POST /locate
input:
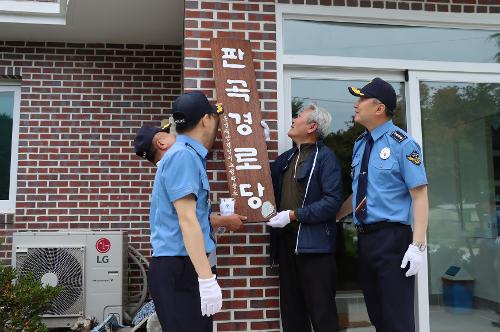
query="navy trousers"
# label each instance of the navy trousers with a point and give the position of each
(389, 294)
(173, 284)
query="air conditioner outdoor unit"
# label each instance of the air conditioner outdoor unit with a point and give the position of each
(90, 266)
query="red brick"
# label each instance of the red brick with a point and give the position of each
(231, 34)
(231, 16)
(246, 315)
(430, 7)
(214, 5)
(263, 282)
(214, 25)
(265, 326)
(248, 293)
(198, 14)
(245, 26)
(234, 304)
(264, 303)
(403, 5)
(390, 5)
(232, 326)
(443, 8)
(245, 7)
(198, 34)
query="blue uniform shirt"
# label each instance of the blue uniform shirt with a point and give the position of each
(396, 165)
(181, 172)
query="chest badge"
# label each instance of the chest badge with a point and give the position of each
(385, 153)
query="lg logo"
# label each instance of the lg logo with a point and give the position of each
(103, 245)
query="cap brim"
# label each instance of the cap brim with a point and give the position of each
(356, 92)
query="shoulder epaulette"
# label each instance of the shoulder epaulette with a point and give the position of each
(398, 136)
(360, 136)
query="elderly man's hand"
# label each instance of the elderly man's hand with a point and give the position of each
(232, 222)
(267, 131)
(280, 220)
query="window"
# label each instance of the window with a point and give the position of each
(460, 126)
(381, 41)
(9, 129)
(34, 12)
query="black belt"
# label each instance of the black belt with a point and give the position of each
(373, 227)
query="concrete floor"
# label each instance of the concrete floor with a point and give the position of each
(443, 320)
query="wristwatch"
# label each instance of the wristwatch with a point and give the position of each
(421, 246)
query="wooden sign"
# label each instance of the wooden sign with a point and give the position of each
(245, 150)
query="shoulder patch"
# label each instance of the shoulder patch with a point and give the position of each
(398, 136)
(414, 157)
(360, 136)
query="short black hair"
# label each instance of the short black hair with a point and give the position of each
(182, 128)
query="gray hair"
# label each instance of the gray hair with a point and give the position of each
(173, 130)
(388, 112)
(321, 117)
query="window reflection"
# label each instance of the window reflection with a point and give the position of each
(461, 134)
(391, 41)
(6, 113)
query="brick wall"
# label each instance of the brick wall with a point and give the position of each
(81, 105)
(250, 287)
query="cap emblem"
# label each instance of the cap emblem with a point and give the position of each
(165, 126)
(357, 91)
(220, 109)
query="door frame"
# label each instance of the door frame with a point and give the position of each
(413, 128)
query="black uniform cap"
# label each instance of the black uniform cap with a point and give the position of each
(377, 88)
(144, 138)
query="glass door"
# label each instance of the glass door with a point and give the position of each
(329, 90)
(459, 118)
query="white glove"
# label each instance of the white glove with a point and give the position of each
(415, 257)
(267, 131)
(280, 220)
(211, 296)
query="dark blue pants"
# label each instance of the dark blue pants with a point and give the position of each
(307, 289)
(389, 294)
(173, 284)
